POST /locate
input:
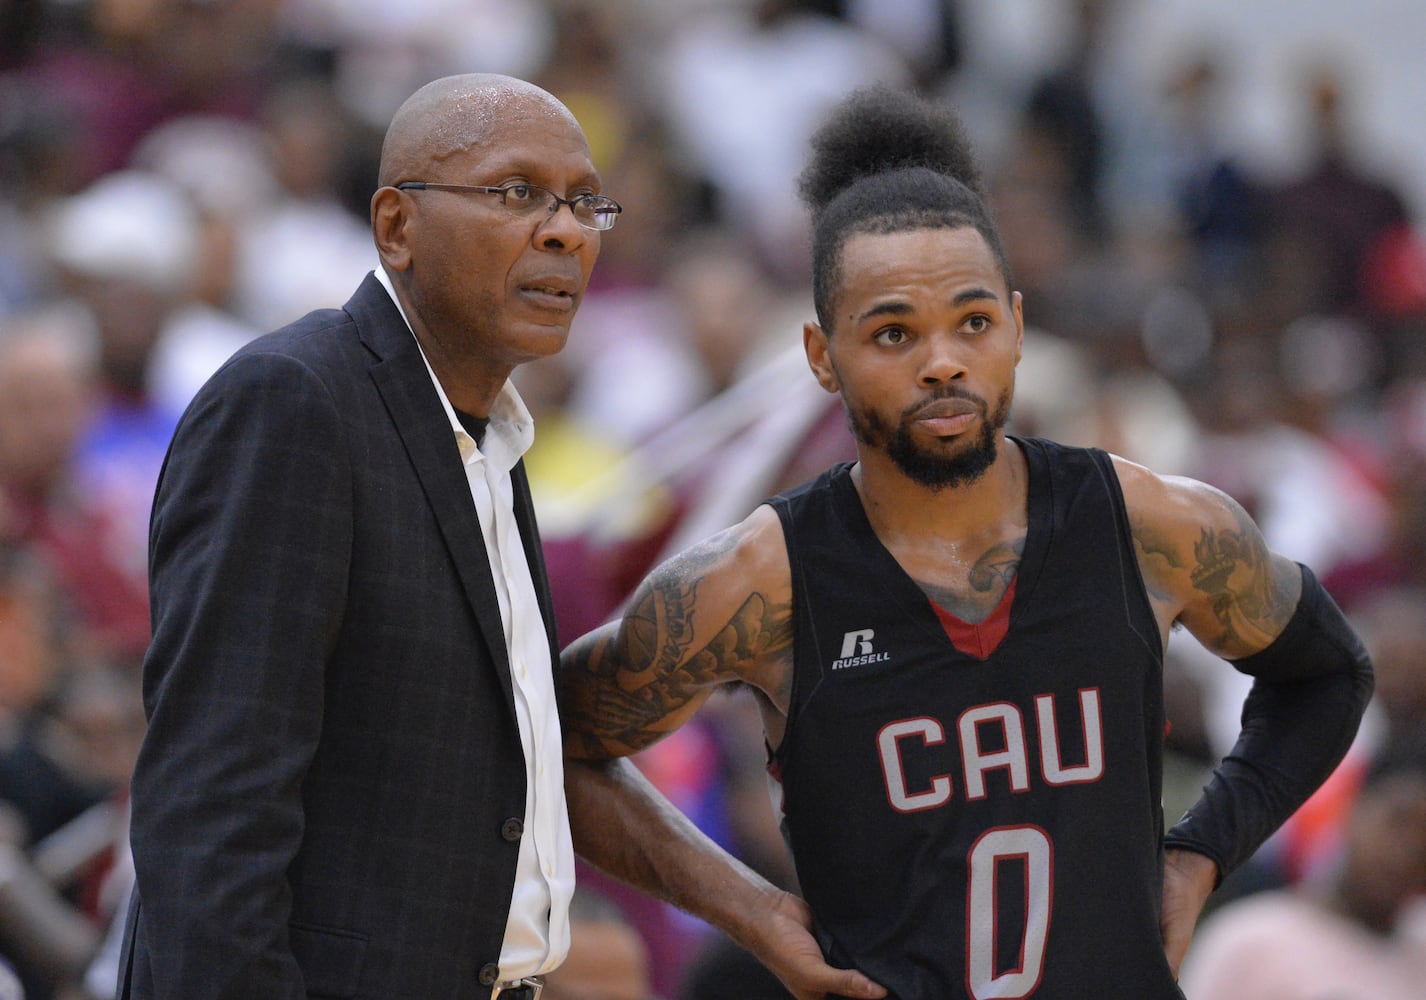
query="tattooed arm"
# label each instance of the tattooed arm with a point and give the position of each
(717, 614)
(1206, 566)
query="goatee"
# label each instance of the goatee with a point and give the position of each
(933, 469)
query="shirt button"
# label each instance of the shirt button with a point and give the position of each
(512, 829)
(489, 974)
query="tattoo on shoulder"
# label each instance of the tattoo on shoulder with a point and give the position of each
(1234, 568)
(648, 671)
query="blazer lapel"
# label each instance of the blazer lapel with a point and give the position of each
(405, 385)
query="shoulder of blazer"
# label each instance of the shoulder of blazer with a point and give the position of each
(379, 323)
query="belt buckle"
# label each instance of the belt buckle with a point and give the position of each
(534, 985)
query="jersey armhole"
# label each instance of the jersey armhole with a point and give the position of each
(777, 754)
(1134, 573)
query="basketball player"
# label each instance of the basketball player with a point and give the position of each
(957, 643)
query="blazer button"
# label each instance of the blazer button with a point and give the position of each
(489, 974)
(512, 829)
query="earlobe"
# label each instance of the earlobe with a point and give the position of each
(389, 228)
(814, 342)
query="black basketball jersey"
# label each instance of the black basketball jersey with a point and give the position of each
(974, 810)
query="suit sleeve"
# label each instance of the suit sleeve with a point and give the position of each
(249, 550)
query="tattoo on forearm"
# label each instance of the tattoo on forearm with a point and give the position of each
(620, 690)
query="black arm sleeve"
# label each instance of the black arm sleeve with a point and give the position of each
(1310, 688)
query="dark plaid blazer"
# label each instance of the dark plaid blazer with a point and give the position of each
(329, 798)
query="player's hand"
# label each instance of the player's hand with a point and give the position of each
(789, 950)
(1189, 878)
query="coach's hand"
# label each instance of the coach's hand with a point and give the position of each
(1189, 879)
(786, 946)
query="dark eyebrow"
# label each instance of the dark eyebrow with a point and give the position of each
(902, 308)
(974, 295)
(885, 309)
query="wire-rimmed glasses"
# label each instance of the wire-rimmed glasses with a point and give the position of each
(592, 211)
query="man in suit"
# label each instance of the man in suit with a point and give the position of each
(351, 784)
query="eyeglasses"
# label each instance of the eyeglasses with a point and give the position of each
(592, 211)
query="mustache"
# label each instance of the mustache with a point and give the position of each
(943, 393)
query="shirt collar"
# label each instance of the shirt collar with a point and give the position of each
(511, 430)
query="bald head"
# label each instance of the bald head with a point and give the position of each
(455, 114)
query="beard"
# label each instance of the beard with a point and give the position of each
(930, 468)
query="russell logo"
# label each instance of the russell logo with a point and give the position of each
(857, 650)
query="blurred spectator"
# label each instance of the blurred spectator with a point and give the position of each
(1359, 934)
(1216, 199)
(377, 52)
(125, 247)
(1312, 502)
(1393, 625)
(927, 34)
(1062, 114)
(1324, 223)
(119, 68)
(1399, 556)
(40, 160)
(712, 317)
(302, 246)
(47, 398)
(31, 662)
(67, 747)
(1047, 194)
(742, 85)
(594, 70)
(224, 167)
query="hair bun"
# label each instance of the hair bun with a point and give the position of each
(877, 129)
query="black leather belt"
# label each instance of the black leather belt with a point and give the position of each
(529, 988)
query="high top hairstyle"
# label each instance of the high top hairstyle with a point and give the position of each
(887, 161)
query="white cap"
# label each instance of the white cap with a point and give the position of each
(222, 162)
(130, 225)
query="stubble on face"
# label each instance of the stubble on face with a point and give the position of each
(934, 468)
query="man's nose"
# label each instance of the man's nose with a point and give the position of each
(943, 361)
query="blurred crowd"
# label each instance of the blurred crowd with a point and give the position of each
(179, 176)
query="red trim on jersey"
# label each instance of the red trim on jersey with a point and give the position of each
(981, 639)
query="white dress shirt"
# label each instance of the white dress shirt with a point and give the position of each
(537, 931)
